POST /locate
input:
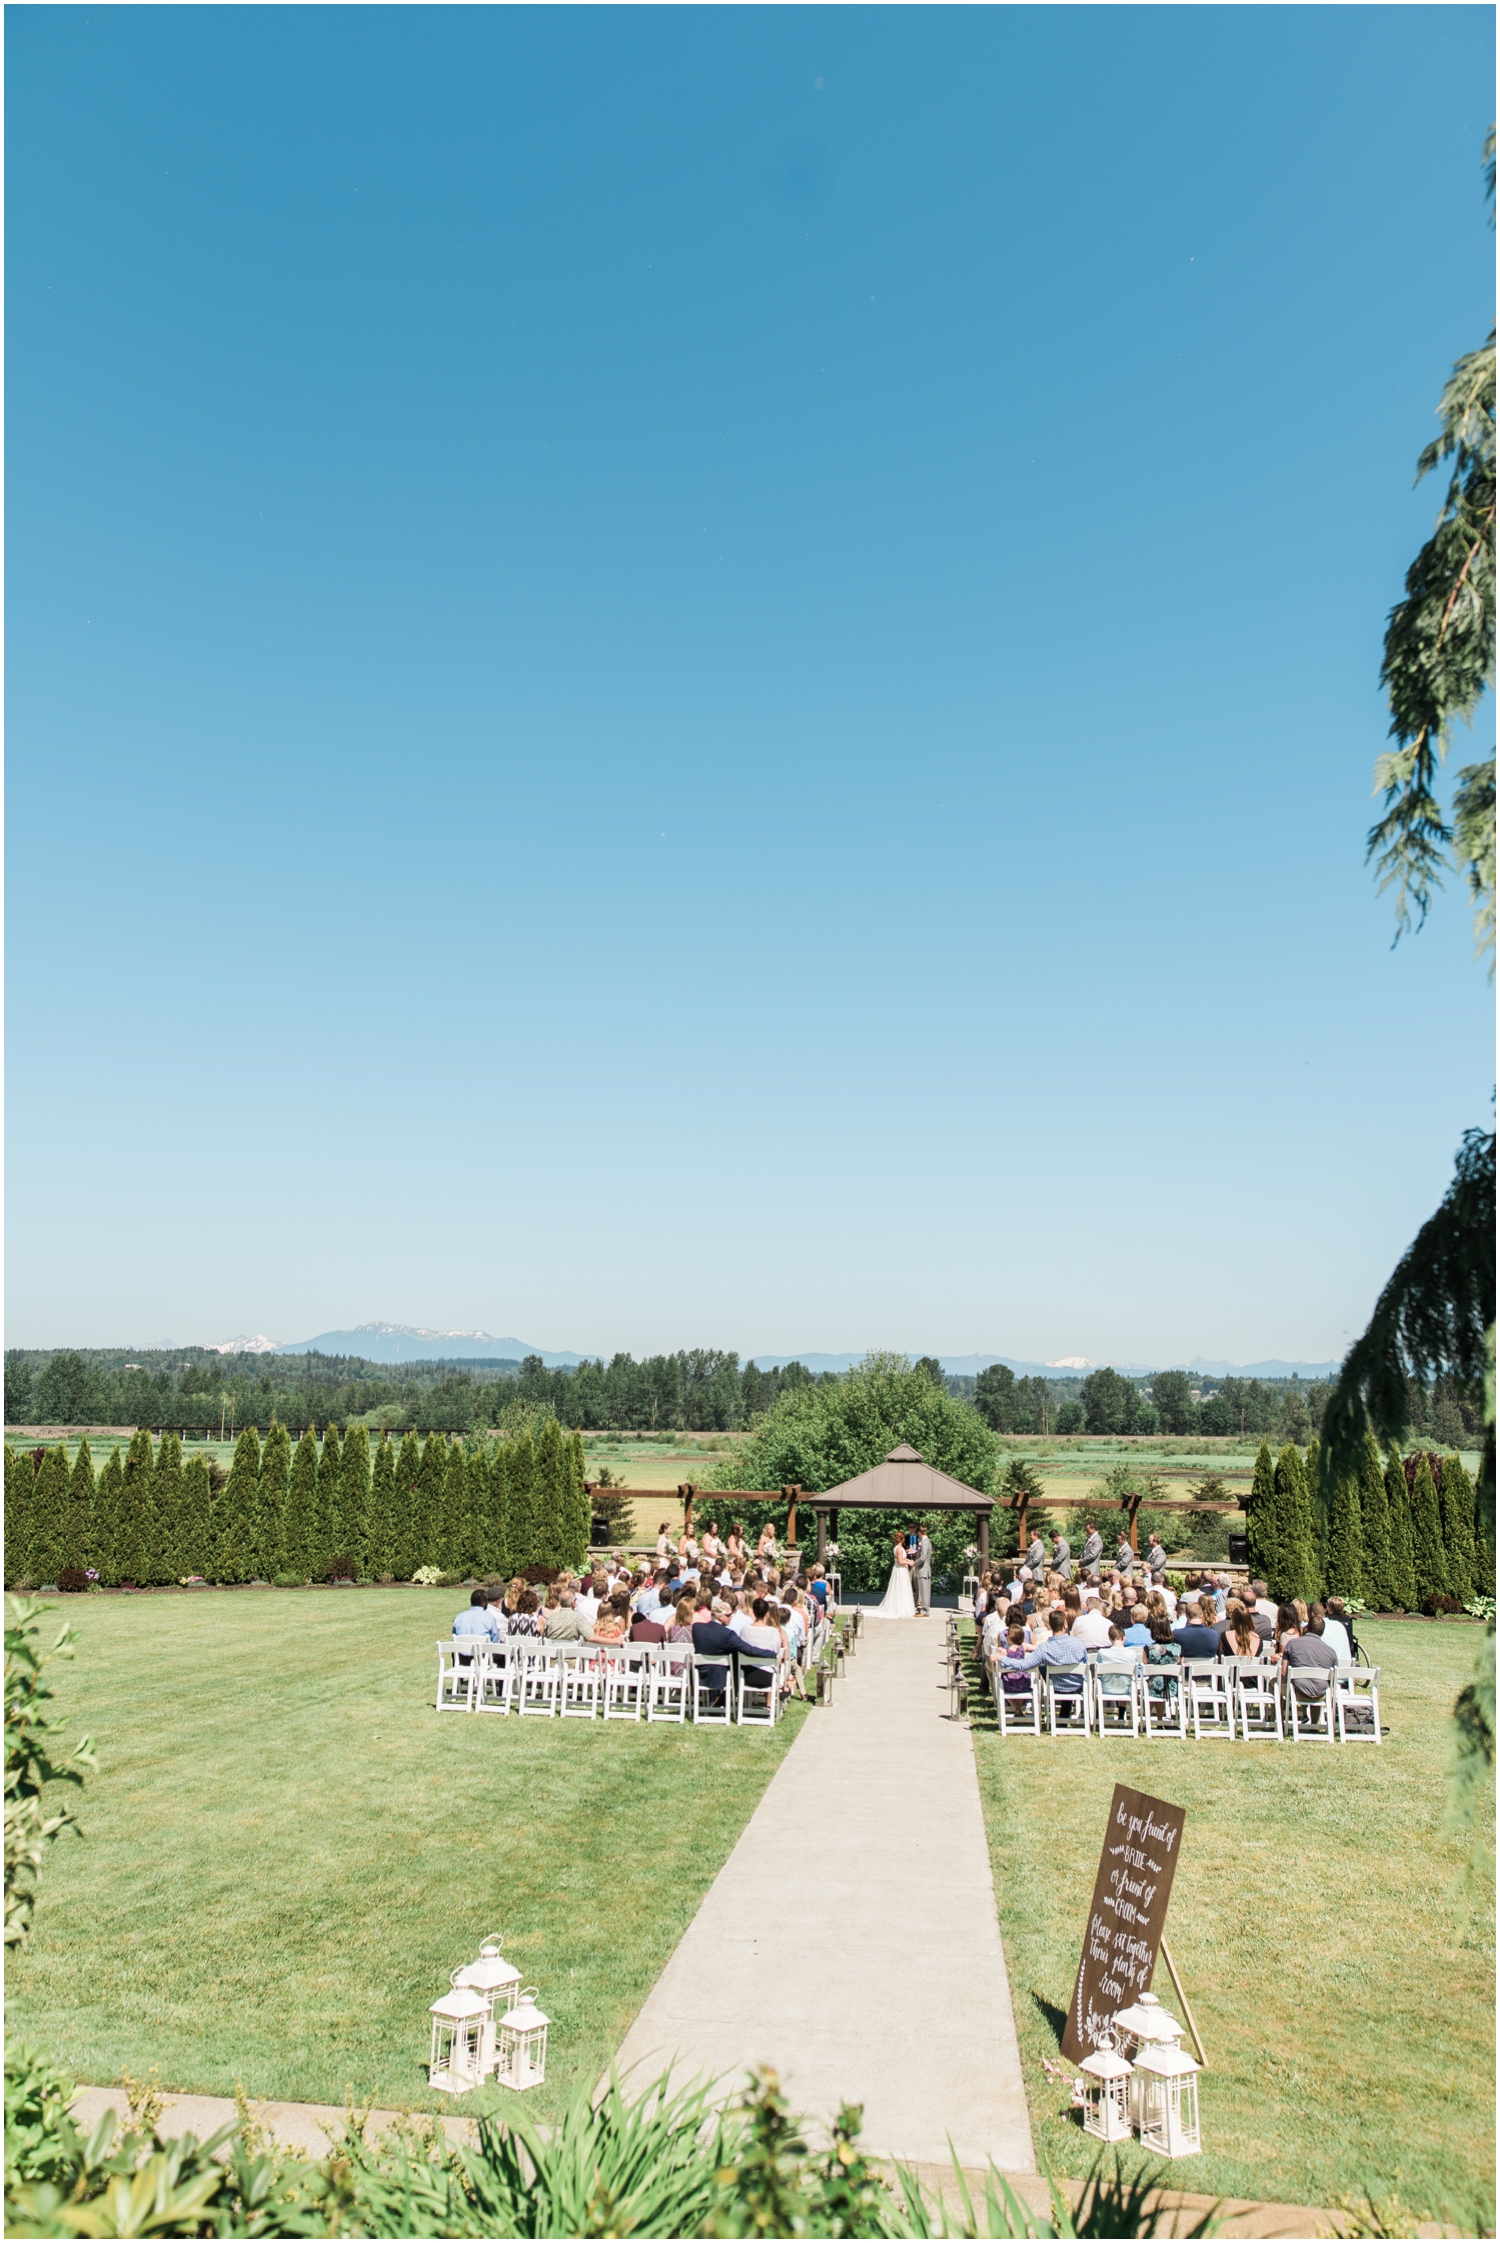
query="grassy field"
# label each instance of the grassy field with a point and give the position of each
(288, 1851)
(1345, 1995)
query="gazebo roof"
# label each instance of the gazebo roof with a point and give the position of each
(903, 1483)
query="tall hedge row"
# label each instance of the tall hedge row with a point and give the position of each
(147, 1519)
(1399, 1536)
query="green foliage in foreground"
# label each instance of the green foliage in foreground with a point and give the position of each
(664, 2163)
(33, 1760)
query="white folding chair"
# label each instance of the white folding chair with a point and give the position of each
(1117, 1701)
(578, 1681)
(668, 1682)
(1019, 1712)
(492, 1684)
(1068, 1688)
(1209, 1700)
(538, 1675)
(1257, 1699)
(624, 1681)
(759, 1703)
(713, 1706)
(1356, 1705)
(1309, 1719)
(458, 1666)
(1163, 1704)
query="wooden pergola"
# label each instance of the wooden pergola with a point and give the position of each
(902, 1483)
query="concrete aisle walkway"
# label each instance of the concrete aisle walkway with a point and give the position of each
(850, 1940)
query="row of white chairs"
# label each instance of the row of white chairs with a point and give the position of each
(1228, 1698)
(614, 1682)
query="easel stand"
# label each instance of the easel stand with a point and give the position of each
(1187, 2007)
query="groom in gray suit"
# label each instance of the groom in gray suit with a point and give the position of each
(921, 1577)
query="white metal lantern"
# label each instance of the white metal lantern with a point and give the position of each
(1106, 2093)
(1167, 2083)
(499, 1982)
(458, 2033)
(521, 2034)
(1145, 2024)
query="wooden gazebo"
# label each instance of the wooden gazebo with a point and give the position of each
(902, 1483)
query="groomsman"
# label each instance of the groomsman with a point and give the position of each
(1036, 1557)
(1062, 1556)
(1156, 1556)
(1125, 1557)
(1093, 1552)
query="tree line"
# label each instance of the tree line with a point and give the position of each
(1107, 1402)
(286, 1513)
(1401, 1535)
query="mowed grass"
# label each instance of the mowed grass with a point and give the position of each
(1345, 1996)
(287, 1851)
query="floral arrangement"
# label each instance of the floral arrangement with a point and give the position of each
(426, 1577)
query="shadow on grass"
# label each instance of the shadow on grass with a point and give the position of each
(1056, 2018)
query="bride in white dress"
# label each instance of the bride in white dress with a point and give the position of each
(898, 1602)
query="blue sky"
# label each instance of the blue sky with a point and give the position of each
(709, 676)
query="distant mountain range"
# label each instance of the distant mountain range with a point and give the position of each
(420, 1343)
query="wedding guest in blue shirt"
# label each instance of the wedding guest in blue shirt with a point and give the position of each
(477, 1619)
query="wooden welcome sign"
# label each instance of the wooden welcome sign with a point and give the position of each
(1137, 1863)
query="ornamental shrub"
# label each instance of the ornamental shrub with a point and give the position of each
(325, 1545)
(1456, 1510)
(455, 1534)
(48, 1553)
(302, 1553)
(109, 1496)
(476, 1511)
(405, 1502)
(523, 1534)
(274, 1494)
(353, 1533)
(166, 1512)
(1375, 1530)
(432, 1486)
(237, 1512)
(20, 1483)
(383, 1540)
(1344, 1572)
(136, 1536)
(195, 1541)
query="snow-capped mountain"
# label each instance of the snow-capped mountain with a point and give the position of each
(253, 1343)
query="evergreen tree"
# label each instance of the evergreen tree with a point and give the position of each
(1262, 1528)
(1345, 1569)
(137, 1535)
(476, 1510)
(452, 1559)
(1375, 1530)
(432, 1487)
(325, 1543)
(275, 1494)
(1428, 1554)
(354, 1499)
(78, 1535)
(20, 1483)
(49, 1519)
(1319, 1511)
(383, 1535)
(195, 1542)
(109, 1504)
(1295, 1535)
(523, 1536)
(1456, 1508)
(166, 1512)
(580, 1518)
(1403, 1562)
(497, 1549)
(405, 1513)
(301, 1553)
(239, 1512)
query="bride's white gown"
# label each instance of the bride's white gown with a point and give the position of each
(898, 1602)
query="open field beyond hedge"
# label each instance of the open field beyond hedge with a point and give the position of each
(287, 1850)
(1346, 1998)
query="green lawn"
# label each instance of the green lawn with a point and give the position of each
(287, 1850)
(1346, 1998)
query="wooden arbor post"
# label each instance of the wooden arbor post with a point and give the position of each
(822, 1514)
(686, 1491)
(791, 1494)
(1135, 1504)
(982, 1523)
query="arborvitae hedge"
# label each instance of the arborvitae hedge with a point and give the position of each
(384, 1537)
(275, 1492)
(1375, 1528)
(523, 1529)
(136, 1537)
(1261, 1520)
(78, 1539)
(237, 1512)
(1345, 1568)
(580, 1522)
(49, 1520)
(405, 1519)
(500, 1525)
(1296, 1539)
(1456, 1508)
(1403, 1561)
(299, 1538)
(325, 1542)
(453, 1559)
(478, 1542)
(166, 1504)
(1428, 1555)
(354, 1498)
(432, 1487)
(20, 1485)
(1319, 1511)
(109, 1498)
(195, 1546)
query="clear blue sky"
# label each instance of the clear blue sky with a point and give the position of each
(709, 676)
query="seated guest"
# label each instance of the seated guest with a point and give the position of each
(681, 1630)
(526, 1620)
(478, 1619)
(1138, 1627)
(990, 1636)
(644, 1629)
(1194, 1640)
(712, 1639)
(1241, 1637)
(1116, 1666)
(1309, 1661)
(612, 1621)
(1265, 1611)
(562, 1622)
(1091, 1627)
(1167, 1593)
(589, 1599)
(1338, 1633)
(1162, 1651)
(1061, 1656)
(1014, 1679)
(819, 1586)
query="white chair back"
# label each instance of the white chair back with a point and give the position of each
(758, 1703)
(1256, 1692)
(458, 1666)
(669, 1685)
(1210, 1700)
(1356, 1705)
(1117, 1700)
(1069, 1695)
(1164, 1707)
(494, 1681)
(624, 1681)
(1018, 1712)
(578, 1681)
(538, 1675)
